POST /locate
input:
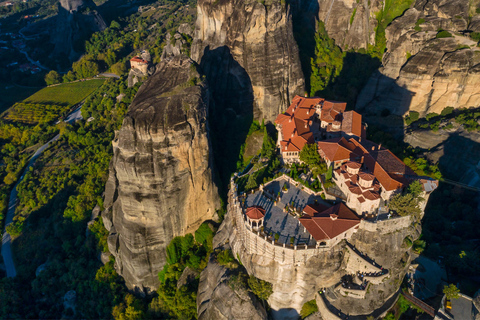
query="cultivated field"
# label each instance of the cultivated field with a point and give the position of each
(65, 94)
(49, 103)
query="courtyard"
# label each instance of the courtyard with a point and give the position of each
(276, 219)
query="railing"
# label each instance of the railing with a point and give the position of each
(419, 303)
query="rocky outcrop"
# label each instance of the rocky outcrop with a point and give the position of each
(76, 20)
(422, 72)
(351, 23)
(298, 273)
(247, 51)
(216, 299)
(160, 183)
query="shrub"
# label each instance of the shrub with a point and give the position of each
(262, 289)
(431, 115)
(475, 36)
(444, 34)
(225, 257)
(412, 117)
(308, 308)
(447, 110)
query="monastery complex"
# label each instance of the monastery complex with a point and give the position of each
(366, 174)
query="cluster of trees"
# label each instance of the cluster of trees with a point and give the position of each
(408, 203)
(15, 138)
(78, 161)
(33, 113)
(467, 117)
(56, 199)
(182, 252)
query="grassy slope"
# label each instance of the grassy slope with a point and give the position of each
(13, 94)
(68, 93)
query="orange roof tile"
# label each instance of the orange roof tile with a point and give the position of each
(331, 222)
(352, 123)
(255, 212)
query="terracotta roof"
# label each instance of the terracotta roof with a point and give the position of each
(370, 195)
(255, 212)
(366, 176)
(332, 111)
(331, 222)
(138, 59)
(353, 165)
(314, 208)
(339, 149)
(295, 123)
(352, 123)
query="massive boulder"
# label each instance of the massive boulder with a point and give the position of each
(423, 72)
(247, 50)
(160, 183)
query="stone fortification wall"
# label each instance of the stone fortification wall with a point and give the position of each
(387, 226)
(253, 243)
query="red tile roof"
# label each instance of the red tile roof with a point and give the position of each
(330, 223)
(390, 171)
(295, 123)
(314, 208)
(332, 111)
(339, 149)
(255, 212)
(352, 124)
(138, 59)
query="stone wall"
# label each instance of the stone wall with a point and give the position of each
(387, 226)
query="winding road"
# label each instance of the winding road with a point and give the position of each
(6, 239)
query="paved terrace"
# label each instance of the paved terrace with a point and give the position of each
(278, 221)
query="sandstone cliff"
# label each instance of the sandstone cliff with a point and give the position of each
(247, 50)
(351, 23)
(160, 183)
(422, 72)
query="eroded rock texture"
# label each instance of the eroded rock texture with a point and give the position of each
(351, 23)
(160, 184)
(422, 72)
(249, 55)
(216, 299)
(73, 25)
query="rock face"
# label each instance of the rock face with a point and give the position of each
(298, 273)
(422, 72)
(351, 23)
(76, 20)
(249, 55)
(160, 183)
(216, 300)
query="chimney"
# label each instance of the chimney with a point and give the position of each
(379, 146)
(373, 148)
(306, 125)
(306, 94)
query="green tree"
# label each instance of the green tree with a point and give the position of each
(451, 291)
(119, 68)
(328, 61)
(262, 289)
(252, 182)
(52, 78)
(415, 188)
(268, 147)
(308, 308)
(309, 154)
(405, 204)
